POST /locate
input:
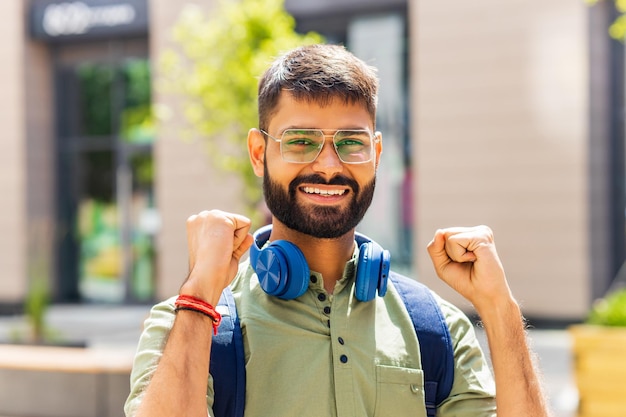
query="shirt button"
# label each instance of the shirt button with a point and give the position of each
(313, 279)
(327, 310)
(321, 296)
(343, 358)
(341, 341)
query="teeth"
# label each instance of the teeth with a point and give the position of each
(311, 190)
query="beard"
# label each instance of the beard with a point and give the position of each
(322, 222)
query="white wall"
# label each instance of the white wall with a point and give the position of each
(500, 123)
(12, 154)
(185, 182)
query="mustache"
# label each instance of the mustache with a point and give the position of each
(318, 179)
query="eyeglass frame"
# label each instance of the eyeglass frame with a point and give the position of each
(373, 136)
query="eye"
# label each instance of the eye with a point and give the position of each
(352, 139)
(350, 142)
(301, 142)
(301, 139)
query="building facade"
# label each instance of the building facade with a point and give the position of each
(499, 114)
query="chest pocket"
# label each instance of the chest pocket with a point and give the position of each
(399, 392)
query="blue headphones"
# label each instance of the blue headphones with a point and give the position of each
(283, 271)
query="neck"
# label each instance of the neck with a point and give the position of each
(326, 256)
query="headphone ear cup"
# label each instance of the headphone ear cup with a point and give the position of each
(282, 270)
(368, 271)
(385, 266)
(298, 273)
(271, 268)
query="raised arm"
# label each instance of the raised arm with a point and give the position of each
(216, 242)
(466, 259)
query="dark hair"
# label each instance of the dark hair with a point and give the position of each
(318, 73)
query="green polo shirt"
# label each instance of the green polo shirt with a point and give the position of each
(331, 355)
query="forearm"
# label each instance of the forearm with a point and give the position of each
(179, 384)
(518, 389)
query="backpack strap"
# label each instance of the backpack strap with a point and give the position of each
(228, 364)
(434, 339)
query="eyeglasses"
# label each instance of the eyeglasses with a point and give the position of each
(303, 146)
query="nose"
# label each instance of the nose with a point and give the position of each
(328, 162)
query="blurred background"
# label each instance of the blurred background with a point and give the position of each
(509, 114)
(506, 114)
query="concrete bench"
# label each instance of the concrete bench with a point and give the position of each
(63, 382)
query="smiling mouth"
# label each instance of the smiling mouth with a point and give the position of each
(313, 190)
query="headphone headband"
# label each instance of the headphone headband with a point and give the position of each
(261, 236)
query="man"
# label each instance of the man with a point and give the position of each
(322, 351)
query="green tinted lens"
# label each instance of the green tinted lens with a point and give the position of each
(353, 146)
(301, 145)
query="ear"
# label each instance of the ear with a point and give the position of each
(256, 151)
(379, 147)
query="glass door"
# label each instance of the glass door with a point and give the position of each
(106, 205)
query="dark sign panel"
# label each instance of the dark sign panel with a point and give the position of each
(88, 19)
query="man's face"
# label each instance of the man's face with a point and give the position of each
(325, 198)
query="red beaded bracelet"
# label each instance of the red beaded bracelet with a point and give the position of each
(188, 302)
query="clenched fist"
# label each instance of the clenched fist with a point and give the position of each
(466, 259)
(216, 241)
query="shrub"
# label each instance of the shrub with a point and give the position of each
(610, 310)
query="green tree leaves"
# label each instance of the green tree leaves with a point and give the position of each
(221, 56)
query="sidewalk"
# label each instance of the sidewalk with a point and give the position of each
(119, 328)
(97, 325)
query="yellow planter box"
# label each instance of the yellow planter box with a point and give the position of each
(600, 370)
